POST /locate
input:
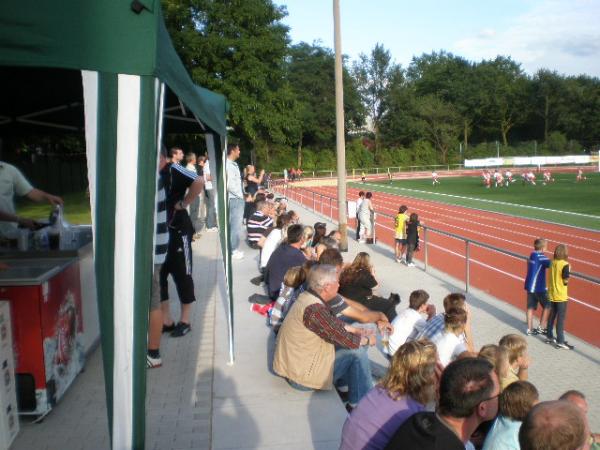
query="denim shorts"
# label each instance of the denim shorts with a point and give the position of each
(533, 298)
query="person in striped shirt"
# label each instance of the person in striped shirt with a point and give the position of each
(161, 239)
(259, 223)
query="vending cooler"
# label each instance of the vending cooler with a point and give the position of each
(45, 301)
(9, 420)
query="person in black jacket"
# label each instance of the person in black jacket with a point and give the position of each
(412, 238)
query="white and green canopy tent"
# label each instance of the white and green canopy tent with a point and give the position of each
(134, 89)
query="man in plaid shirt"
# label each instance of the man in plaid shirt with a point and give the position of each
(305, 352)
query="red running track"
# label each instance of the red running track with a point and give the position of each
(497, 274)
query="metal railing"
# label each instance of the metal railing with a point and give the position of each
(322, 202)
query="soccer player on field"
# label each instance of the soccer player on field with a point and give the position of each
(434, 177)
(508, 176)
(524, 178)
(531, 177)
(547, 177)
(498, 179)
(535, 285)
(580, 176)
(485, 177)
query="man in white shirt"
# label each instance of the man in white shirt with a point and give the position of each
(410, 319)
(449, 344)
(361, 197)
(236, 200)
(12, 182)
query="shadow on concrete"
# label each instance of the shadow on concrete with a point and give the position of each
(234, 420)
(271, 341)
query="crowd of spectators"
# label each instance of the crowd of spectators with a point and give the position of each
(440, 391)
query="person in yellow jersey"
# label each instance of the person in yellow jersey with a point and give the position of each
(558, 293)
(400, 232)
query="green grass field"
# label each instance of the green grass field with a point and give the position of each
(77, 209)
(563, 201)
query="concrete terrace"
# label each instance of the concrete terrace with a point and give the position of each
(198, 401)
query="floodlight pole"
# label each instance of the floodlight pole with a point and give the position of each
(339, 129)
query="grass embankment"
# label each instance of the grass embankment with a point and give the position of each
(77, 208)
(562, 201)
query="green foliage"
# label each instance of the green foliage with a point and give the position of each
(238, 48)
(557, 142)
(283, 96)
(357, 155)
(374, 74)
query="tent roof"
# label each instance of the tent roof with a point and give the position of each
(50, 101)
(117, 37)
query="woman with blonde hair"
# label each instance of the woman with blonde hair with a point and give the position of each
(409, 385)
(497, 355)
(357, 282)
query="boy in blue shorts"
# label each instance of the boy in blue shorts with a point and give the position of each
(535, 285)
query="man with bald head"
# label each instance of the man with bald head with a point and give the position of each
(579, 400)
(556, 425)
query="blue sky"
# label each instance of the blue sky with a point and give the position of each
(562, 35)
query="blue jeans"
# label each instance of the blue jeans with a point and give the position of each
(195, 209)
(236, 215)
(211, 219)
(354, 368)
(558, 312)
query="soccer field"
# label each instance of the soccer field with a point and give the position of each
(564, 201)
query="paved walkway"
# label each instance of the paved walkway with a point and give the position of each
(197, 401)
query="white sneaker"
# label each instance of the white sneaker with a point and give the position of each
(153, 363)
(236, 254)
(212, 230)
(411, 264)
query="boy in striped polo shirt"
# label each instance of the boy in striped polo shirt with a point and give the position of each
(535, 285)
(161, 244)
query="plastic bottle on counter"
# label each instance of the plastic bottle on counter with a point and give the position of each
(23, 243)
(54, 230)
(40, 240)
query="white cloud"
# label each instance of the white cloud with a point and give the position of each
(558, 35)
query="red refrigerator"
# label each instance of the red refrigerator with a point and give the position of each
(45, 300)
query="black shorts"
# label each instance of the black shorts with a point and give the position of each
(178, 264)
(401, 241)
(533, 298)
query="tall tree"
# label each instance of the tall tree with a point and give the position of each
(441, 123)
(373, 74)
(452, 79)
(401, 124)
(548, 91)
(238, 48)
(311, 77)
(507, 85)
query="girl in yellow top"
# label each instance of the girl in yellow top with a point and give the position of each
(400, 232)
(557, 291)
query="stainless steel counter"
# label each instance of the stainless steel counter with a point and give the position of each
(32, 271)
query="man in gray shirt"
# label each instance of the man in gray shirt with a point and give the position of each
(236, 200)
(12, 182)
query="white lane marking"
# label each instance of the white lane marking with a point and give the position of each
(427, 205)
(496, 202)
